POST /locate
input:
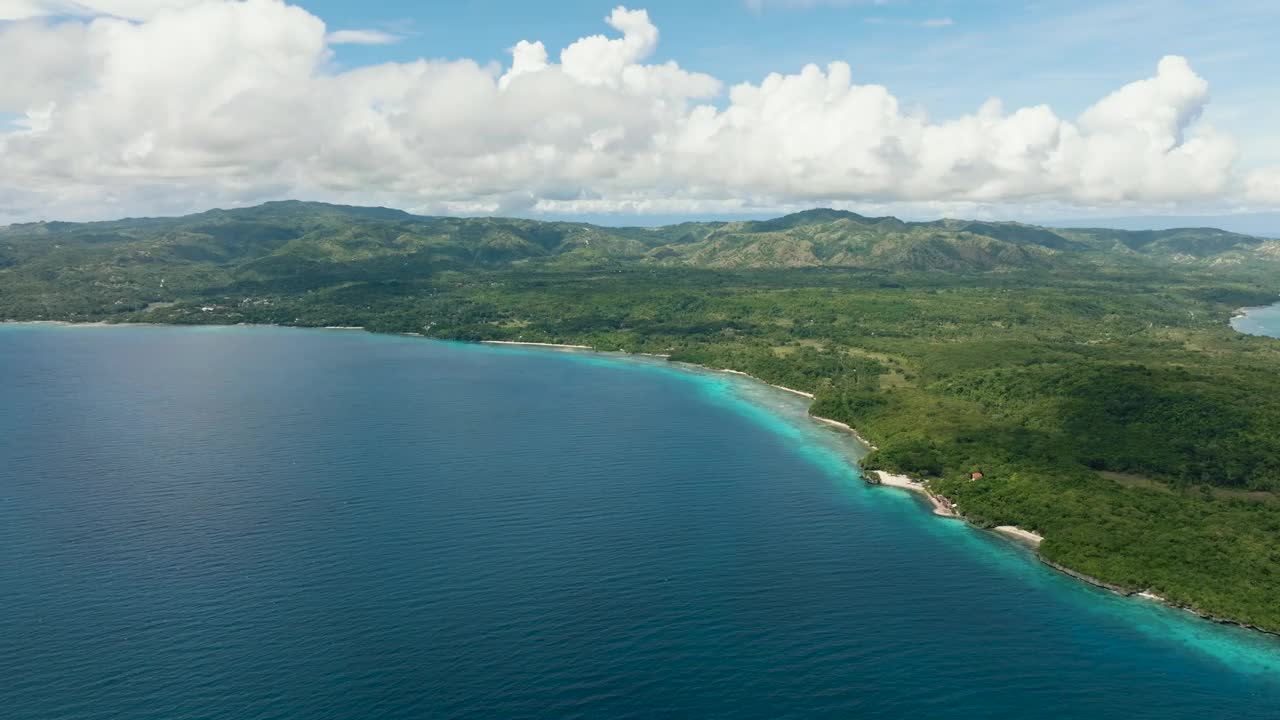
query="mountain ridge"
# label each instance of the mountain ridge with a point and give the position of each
(299, 244)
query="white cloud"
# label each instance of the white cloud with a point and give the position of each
(938, 22)
(225, 102)
(130, 9)
(1263, 186)
(20, 10)
(819, 135)
(361, 37)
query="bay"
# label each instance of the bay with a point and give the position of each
(277, 523)
(1263, 320)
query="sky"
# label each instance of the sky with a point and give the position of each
(657, 110)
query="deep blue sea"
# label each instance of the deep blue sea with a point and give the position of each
(272, 523)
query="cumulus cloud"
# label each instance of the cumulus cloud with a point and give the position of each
(220, 102)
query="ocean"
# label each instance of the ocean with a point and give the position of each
(243, 522)
(1259, 321)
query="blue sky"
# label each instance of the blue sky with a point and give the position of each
(113, 112)
(943, 57)
(1066, 54)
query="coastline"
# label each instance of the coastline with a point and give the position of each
(104, 323)
(1031, 538)
(1248, 317)
(1151, 596)
(845, 427)
(942, 506)
(537, 344)
(1245, 311)
(801, 393)
(68, 323)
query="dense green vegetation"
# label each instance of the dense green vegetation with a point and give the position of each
(1090, 375)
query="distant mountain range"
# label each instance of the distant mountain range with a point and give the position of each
(293, 238)
(1262, 224)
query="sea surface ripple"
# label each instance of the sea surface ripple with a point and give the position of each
(269, 523)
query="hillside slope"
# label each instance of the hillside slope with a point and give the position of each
(130, 263)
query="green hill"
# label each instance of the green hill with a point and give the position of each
(301, 235)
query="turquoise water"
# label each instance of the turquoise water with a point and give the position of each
(274, 523)
(1259, 321)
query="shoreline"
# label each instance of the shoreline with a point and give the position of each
(104, 323)
(1031, 538)
(801, 393)
(537, 344)
(845, 427)
(942, 507)
(68, 323)
(1247, 314)
(1244, 311)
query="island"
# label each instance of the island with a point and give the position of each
(1080, 389)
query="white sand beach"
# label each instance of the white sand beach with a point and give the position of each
(537, 344)
(1031, 538)
(900, 481)
(801, 393)
(780, 387)
(941, 506)
(845, 427)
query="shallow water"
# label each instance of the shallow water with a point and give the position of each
(271, 523)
